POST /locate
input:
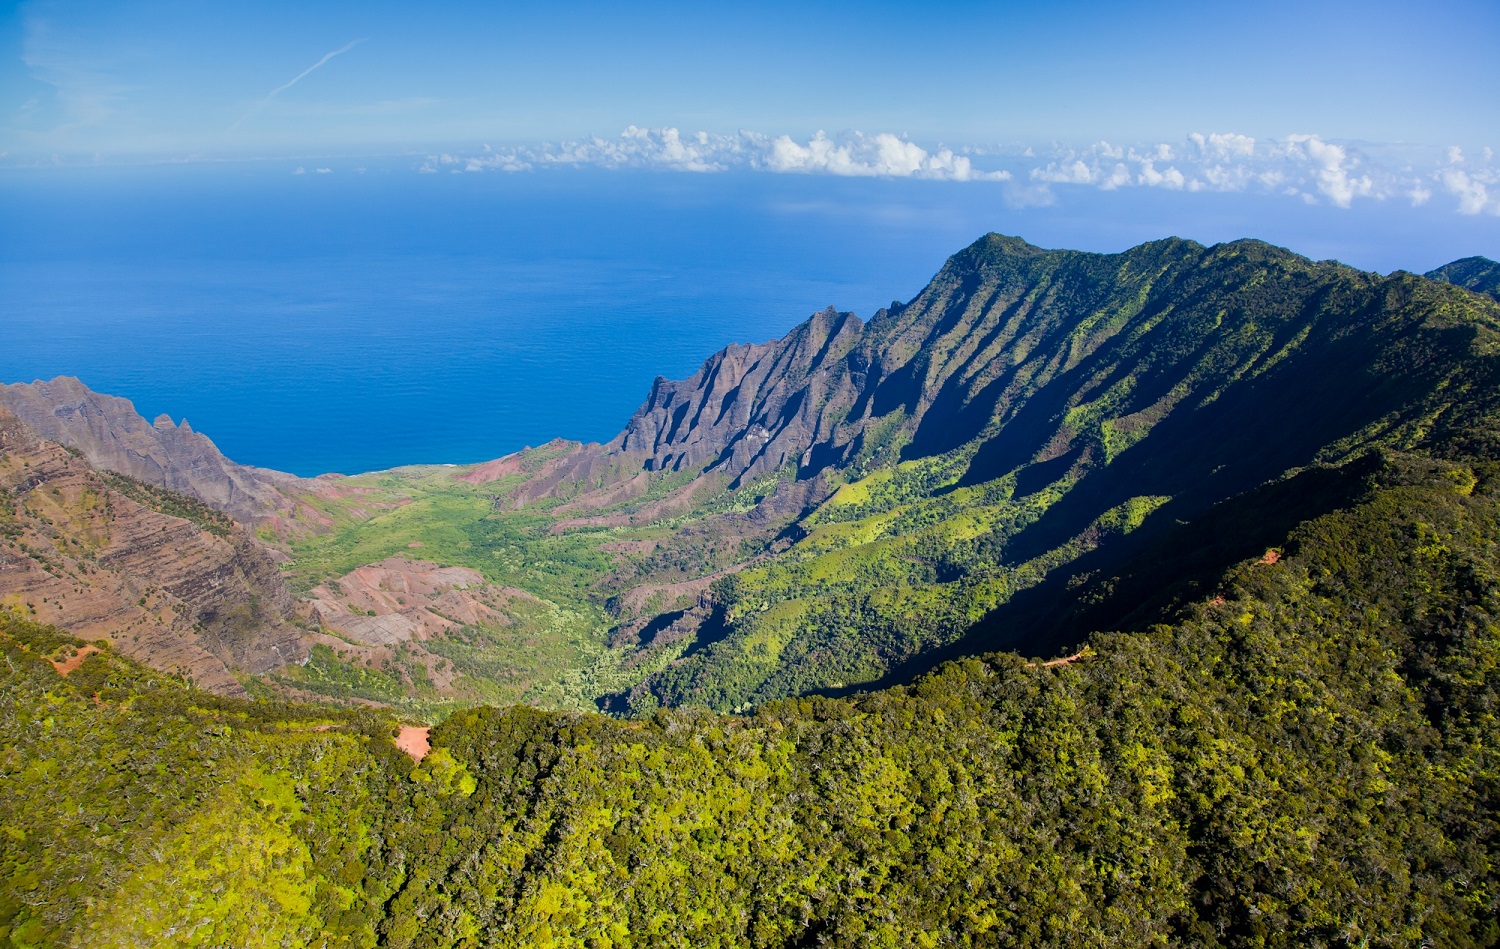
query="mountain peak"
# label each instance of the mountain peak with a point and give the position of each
(113, 436)
(1479, 274)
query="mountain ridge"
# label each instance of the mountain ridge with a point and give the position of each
(1165, 378)
(1479, 274)
(1032, 419)
(181, 588)
(113, 436)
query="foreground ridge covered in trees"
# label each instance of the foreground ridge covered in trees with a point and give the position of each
(1304, 755)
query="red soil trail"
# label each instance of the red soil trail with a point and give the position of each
(73, 662)
(413, 741)
(1083, 653)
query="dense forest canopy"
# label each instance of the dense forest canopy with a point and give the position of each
(1305, 758)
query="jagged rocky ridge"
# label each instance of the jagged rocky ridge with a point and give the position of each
(1002, 322)
(113, 437)
(1066, 407)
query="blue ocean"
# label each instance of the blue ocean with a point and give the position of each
(353, 322)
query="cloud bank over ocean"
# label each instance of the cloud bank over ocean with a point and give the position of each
(1301, 165)
(853, 155)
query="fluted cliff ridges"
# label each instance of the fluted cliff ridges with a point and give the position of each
(1016, 421)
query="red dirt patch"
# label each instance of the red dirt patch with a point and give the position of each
(1083, 653)
(413, 741)
(1270, 557)
(73, 662)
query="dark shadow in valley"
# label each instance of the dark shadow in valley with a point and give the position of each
(1147, 576)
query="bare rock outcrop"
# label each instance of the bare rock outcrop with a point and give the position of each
(397, 600)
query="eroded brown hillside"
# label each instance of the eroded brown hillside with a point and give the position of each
(203, 599)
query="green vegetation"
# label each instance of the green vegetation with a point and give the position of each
(1261, 494)
(1057, 414)
(170, 502)
(552, 652)
(537, 656)
(453, 523)
(138, 811)
(1304, 758)
(1479, 274)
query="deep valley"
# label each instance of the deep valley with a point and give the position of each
(772, 666)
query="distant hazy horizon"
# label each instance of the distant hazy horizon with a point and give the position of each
(351, 323)
(349, 235)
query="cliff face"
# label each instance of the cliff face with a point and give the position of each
(750, 410)
(113, 437)
(79, 551)
(1029, 407)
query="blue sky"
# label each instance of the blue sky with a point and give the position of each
(1334, 103)
(191, 193)
(123, 77)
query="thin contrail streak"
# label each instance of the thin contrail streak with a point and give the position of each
(295, 79)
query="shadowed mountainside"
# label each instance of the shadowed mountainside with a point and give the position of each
(1479, 274)
(1028, 408)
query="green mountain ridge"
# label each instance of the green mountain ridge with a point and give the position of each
(1035, 416)
(1254, 498)
(1479, 274)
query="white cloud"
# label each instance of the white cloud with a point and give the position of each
(1473, 196)
(1224, 146)
(1071, 173)
(1304, 166)
(879, 155)
(1107, 150)
(1171, 178)
(1119, 177)
(1332, 170)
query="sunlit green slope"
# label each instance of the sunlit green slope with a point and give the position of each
(1035, 420)
(1304, 756)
